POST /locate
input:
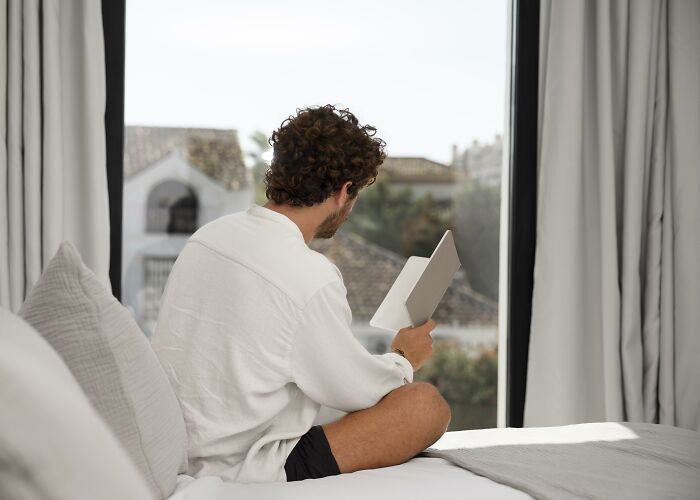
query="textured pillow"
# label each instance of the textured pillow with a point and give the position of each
(53, 445)
(113, 362)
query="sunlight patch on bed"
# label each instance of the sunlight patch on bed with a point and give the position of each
(567, 434)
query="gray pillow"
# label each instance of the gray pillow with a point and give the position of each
(113, 362)
(53, 445)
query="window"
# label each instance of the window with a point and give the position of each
(172, 208)
(215, 79)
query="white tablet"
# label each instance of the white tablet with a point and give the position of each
(418, 289)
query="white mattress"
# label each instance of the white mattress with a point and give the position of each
(420, 479)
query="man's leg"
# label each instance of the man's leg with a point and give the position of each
(403, 423)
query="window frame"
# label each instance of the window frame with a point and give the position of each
(114, 28)
(519, 212)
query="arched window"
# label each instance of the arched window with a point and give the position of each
(172, 208)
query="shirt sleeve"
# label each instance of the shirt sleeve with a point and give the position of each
(329, 364)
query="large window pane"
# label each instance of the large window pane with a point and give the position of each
(208, 81)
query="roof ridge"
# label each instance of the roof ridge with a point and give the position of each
(397, 157)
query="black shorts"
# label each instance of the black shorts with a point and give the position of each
(311, 458)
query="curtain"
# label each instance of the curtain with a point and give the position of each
(53, 183)
(615, 332)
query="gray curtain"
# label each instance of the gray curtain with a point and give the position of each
(53, 183)
(616, 303)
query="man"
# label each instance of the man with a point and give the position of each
(254, 329)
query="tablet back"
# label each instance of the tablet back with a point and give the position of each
(433, 281)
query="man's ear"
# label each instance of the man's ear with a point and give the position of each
(343, 195)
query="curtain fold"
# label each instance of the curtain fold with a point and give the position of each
(53, 183)
(615, 331)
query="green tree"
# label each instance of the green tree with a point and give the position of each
(476, 227)
(380, 215)
(467, 381)
(398, 221)
(394, 219)
(424, 230)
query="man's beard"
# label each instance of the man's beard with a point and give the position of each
(332, 223)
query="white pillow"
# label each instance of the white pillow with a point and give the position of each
(114, 364)
(53, 445)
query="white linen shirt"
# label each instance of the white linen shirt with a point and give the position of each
(254, 335)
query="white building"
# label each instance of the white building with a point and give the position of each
(481, 161)
(175, 181)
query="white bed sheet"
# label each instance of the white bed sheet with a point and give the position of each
(419, 479)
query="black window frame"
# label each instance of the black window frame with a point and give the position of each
(522, 201)
(114, 28)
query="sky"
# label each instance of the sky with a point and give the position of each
(426, 74)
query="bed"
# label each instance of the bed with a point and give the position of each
(593, 460)
(421, 478)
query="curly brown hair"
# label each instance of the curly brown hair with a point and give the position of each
(319, 150)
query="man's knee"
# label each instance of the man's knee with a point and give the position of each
(428, 400)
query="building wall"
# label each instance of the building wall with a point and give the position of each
(214, 202)
(481, 161)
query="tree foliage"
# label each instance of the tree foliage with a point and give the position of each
(394, 219)
(424, 231)
(398, 221)
(476, 226)
(467, 380)
(462, 377)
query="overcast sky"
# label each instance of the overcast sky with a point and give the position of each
(427, 74)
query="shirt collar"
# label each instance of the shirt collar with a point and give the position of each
(266, 213)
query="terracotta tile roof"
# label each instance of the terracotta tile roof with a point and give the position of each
(369, 271)
(216, 152)
(415, 169)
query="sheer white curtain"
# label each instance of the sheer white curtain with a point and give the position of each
(616, 304)
(53, 184)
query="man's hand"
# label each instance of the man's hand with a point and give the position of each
(416, 343)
